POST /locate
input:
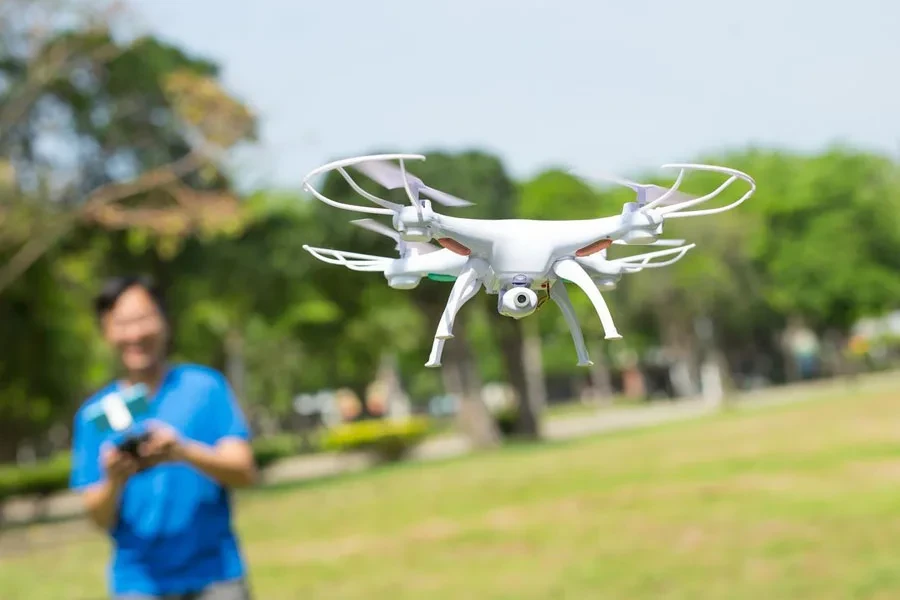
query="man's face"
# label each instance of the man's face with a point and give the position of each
(137, 329)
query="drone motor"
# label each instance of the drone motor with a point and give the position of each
(404, 282)
(606, 284)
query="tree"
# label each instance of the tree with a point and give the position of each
(107, 149)
(134, 117)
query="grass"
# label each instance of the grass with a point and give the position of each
(794, 501)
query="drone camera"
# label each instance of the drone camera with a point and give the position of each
(518, 302)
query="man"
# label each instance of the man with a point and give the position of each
(167, 510)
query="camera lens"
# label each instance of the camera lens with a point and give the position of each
(522, 299)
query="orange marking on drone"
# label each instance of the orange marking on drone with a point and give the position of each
(594, 248)
(454, 246)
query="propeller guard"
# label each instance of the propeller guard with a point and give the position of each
(385, 207)
(664, 205)
(352, 260)
(675, 210)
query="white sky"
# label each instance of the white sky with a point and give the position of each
(603, 85)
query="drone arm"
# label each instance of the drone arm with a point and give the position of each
(474, 235)
(442, 262)
(572, 271)
(561, 297)
(675, 210)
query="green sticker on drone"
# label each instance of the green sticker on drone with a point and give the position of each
(439, 277)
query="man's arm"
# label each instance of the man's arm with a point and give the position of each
(100, 475)
(230, 461)
(102, 503)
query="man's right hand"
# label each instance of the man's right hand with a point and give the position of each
(102, 499)
(119, 466)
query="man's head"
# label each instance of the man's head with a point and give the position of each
(132, 316)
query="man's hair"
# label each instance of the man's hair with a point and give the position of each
(114, 287)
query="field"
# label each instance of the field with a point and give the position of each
(794, 501)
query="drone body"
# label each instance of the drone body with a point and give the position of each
(522, 261)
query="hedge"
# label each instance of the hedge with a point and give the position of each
(390, 440)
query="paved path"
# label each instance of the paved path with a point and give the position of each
(564, 427)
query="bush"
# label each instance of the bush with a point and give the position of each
(390, 440)
(40, 479)
(274, 448)
(52, 475)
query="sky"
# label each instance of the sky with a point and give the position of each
(610, 86)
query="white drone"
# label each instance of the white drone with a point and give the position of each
(523, 261)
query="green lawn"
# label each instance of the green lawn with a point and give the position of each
(798, 501)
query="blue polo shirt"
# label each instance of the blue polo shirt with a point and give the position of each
(174, 532)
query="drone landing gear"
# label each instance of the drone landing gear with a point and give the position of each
(434, 359)
(464, 288)
(572, 271)
(559, 295)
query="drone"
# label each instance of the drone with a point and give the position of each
(524, 262)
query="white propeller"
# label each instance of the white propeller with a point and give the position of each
(392, 177)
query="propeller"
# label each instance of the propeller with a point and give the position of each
(402, 247)
(648, 193)
(391, 177)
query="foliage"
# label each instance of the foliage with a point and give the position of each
(389, 439)
(52, 475)
(42, 479)
(143, 186)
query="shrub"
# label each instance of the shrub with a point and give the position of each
(52, 475)
(389, 439)
(39, 479)
(268, 450)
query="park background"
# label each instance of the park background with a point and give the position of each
(171, 138)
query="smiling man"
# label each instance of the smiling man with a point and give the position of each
(168, 509)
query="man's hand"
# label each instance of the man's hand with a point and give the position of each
(164, 445)
(117, 465)
(230, 461)
(102, 499)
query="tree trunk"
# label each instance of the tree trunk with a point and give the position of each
(601, 379)
(462, 380)
(9, 445)
(678, 341)
(520, 344)
(234, 362)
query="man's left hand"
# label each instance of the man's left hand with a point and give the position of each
(164, 445)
